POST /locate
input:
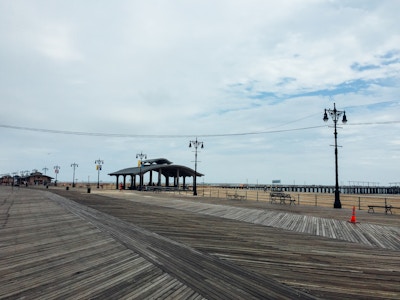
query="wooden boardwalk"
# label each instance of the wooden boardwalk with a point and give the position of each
(153, 247)
(52, 248)
(49, 253)
(365, 233)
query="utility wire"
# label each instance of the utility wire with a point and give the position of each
(151, 135)
(102, 134)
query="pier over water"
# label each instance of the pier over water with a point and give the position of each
(323, 189)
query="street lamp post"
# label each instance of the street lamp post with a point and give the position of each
(98, 163)
(195, 144)
(45, 169)
(56, 170)
(335, 115)
(74, 165)
(140, 156)
(13, 178)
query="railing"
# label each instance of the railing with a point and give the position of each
(361, 202)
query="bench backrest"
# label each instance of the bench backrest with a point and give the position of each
(279, 195)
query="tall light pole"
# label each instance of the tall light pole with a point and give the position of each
(195, 144)
(74, 165)
(98, 163)
(140, 156)
(335, 115)
(56, 170)
(25, 174)
(13, 178)
(45, 169)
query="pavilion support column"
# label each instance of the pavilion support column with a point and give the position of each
(184, 182)
(134, 182)
(124, 182)
(166, 180)
(159, 177)
(151, 178)
(132, 185)
(116, 183)
(177, 178)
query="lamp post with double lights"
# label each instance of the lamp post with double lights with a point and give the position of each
(140, 156)
(56, 170)
(98, 163)
(335, 115)
(45, 169)
(13, 178)
(25, 175)
(74, 165)
(196, 144)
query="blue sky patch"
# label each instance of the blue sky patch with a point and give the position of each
(286, 80)
(360, 68)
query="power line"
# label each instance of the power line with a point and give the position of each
(121, 135)
(102, 134)
(373, 123)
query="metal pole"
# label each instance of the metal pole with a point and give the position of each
(141, 156)
(98, 163)
(74, 165)
(335, 114)
(45, 169)
(195, 172)
(337, 203)
(56, 170)
(195, 144)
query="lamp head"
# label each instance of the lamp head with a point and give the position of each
(344, 120)
(325, 116)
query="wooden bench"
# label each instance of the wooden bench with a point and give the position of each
(159, 189)
(282, 197)
(156, 189)
(388, 208)
(235, 196)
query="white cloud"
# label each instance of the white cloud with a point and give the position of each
(55, 42)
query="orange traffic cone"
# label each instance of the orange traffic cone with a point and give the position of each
(353, 216)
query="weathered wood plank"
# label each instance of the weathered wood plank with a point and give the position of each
(335, 229)
(329, 267)
(308, 260)
(47, 252)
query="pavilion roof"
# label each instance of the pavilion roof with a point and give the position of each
(160, 165)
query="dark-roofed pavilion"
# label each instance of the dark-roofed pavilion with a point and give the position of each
(160, 165)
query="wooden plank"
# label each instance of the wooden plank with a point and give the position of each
(325, 267)
(47, 252)
(306, 224)
(342, 270)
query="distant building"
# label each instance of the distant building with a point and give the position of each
(37, 178)
(6, 180)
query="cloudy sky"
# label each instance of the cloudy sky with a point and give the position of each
(88, 80)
